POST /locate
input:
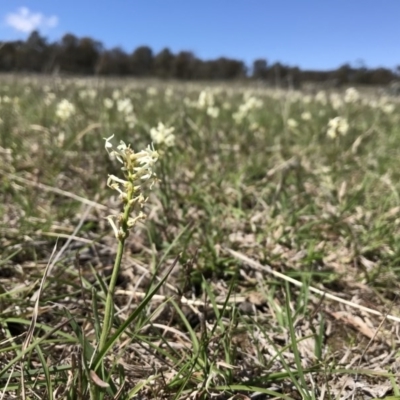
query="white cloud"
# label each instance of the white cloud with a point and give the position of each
(27, 21)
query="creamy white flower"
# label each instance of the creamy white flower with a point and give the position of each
(253, 103)
(146, 158)
(149, 104)
(114, 227)
(119, 154)
(169, 92)
(116, 94)
(306, 116)
(336, 100)
(292, 123)
(108, 145)
(65, 110)
(132, 220)
(163, 135)
(108, 103)
(254, 126)
(250, 103)
(125, 106)
(213, 112)
(114, 183)
(206, 99)
(351, 95)
(141, 163)
(152, 91)
(49, 98)
(238, 117)
(138, 173)
(337, 126)
(373, 103)
(87, 94)
(131, 120)
(91, 93)
(122, 146)
(294, 96)
(61, 138)
(189, 103)
(387, 108)
(321, 97)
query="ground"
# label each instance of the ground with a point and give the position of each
(266, 267)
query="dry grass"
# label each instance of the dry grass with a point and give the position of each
(267, 267)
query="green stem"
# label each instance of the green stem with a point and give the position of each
(93, 392)
(109, 311)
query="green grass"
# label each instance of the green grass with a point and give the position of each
(192, 318)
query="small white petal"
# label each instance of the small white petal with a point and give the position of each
(108, 145)
(113, 178)
(114, 227)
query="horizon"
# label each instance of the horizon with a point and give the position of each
(312, 36)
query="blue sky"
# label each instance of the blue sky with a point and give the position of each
(313, 34)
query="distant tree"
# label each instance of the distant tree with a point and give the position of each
(204, 70)
(361, 76)
(163, 64)
(313, 76)
(113, 62)
(293, 78)
(229, 69)
(9, 55)
(87, 55)
(66, 57)
(184, 65)
(381, 76)
(260, 69)
(33, 54)
(343, 74)
(141, 61)
(278, 74)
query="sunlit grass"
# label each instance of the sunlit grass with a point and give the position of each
(261, 172)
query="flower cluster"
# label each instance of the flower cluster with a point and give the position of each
(351, 95)
(336, 101)
(385, 105)
(250, 103)
(65, 109)
(163, 135)
(292, 123)
(138, 173)
(206, 101)
(306, 116)
(108, 103)
(88, 94)
(321, 98)
(125, 108)
(49, 98)
(152, 91)
(337, 126)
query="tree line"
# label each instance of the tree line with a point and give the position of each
(86, 56)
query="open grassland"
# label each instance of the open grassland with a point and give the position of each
(267, 266)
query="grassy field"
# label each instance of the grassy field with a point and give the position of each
(263, 262)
